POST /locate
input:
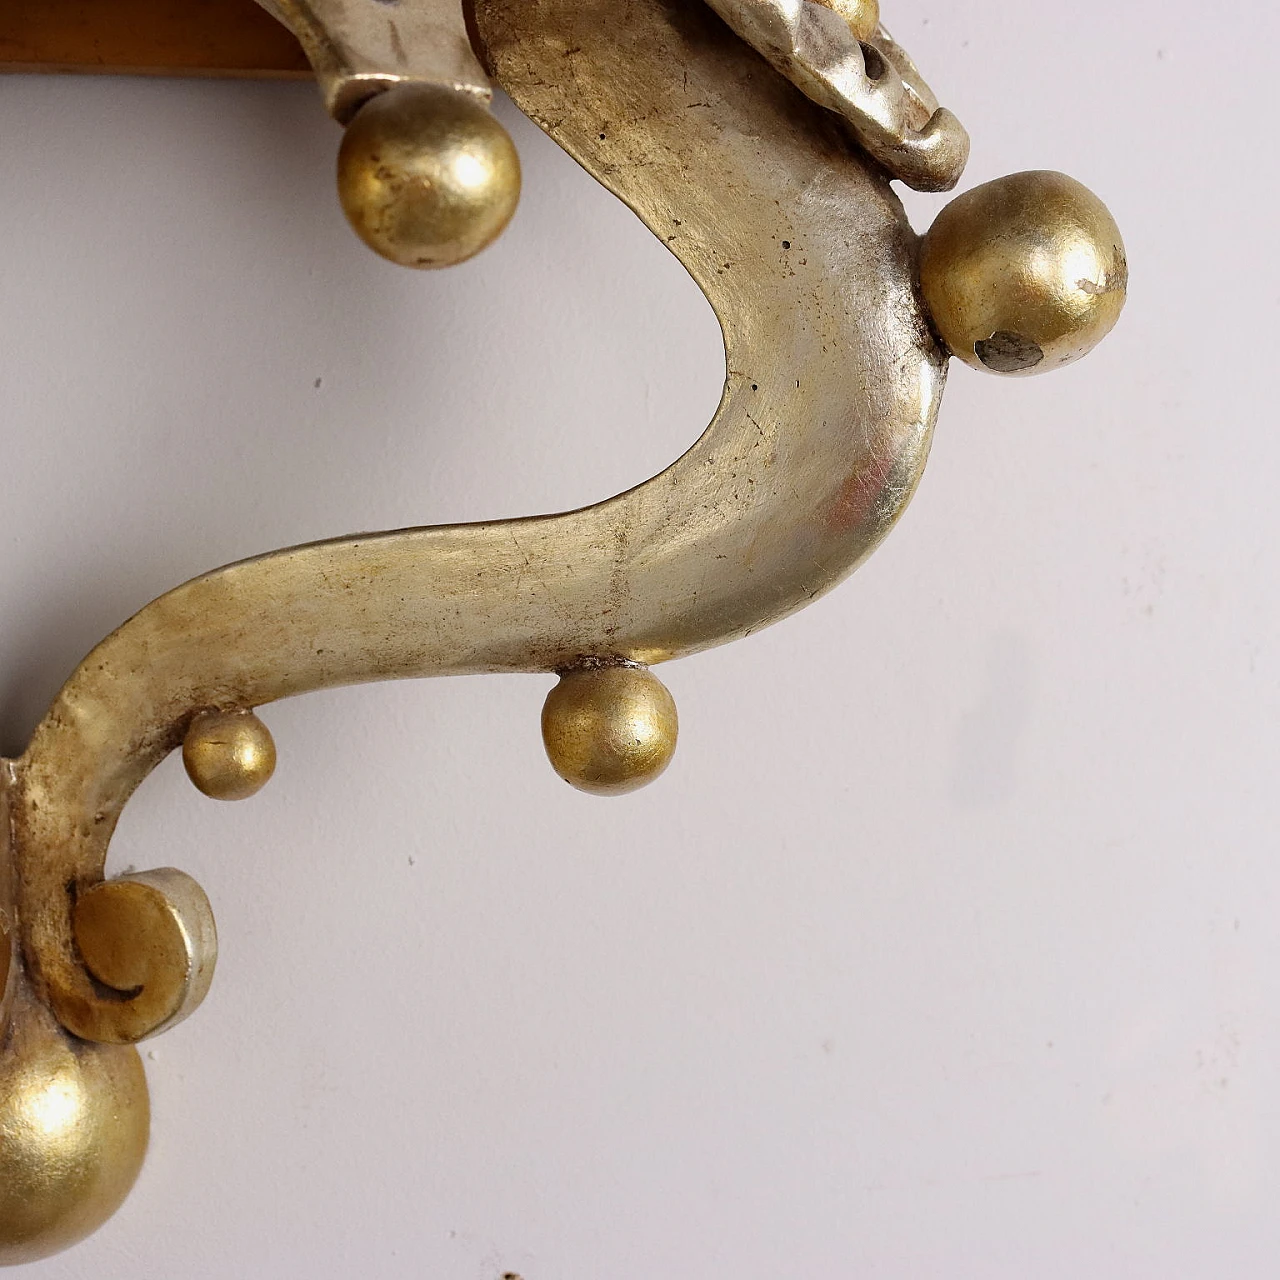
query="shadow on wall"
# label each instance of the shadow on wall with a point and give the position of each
(192, 319)
(120, 524)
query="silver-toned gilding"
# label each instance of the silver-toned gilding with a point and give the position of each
(833, 383)
(817, 447)
(360, 47)
(872, 85)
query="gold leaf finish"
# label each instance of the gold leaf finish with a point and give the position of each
(1024, 274)
(609, 730)
(74, 1124)
(150, 939)
(863, 16)
(8, 910)
(229, 755)
(427, 176)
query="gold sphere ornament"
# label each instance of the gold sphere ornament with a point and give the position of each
(427, 176)
(74, 1123)
(863, 16)
(609, 730)
(1025, 274)
(229, 755)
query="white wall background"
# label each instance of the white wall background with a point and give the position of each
(948, 946)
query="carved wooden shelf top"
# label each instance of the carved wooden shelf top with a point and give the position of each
(147, 37)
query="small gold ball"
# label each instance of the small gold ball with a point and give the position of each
(609, 730)
(1024, 274)
(863, 16)
(229, 754)
(74, 1122)
(427, 176)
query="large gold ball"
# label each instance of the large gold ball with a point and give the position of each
(1024, 274)
(427, 176)
(229, 755)
(74, 1122)
(863, 16)
(609, 730)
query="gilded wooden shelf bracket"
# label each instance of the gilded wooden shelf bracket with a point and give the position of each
(758, 140)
